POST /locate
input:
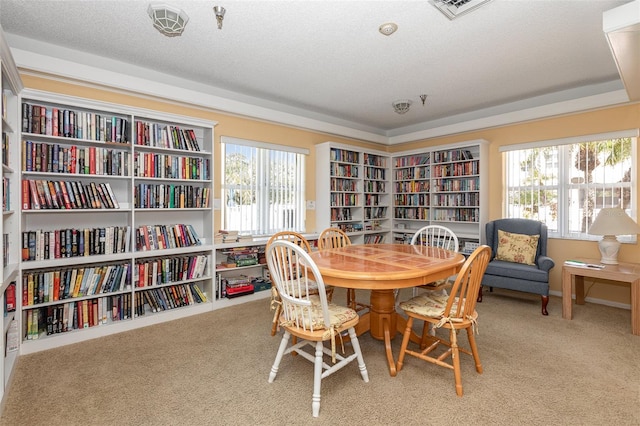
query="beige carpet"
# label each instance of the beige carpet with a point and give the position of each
(212, 369)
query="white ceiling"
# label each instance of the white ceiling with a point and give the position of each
(326, 62)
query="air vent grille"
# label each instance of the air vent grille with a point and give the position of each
(454, 8)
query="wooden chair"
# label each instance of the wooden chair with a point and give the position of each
(454, 312)
(332, 238)
(309, 317)
(435, 236)
(276, 304)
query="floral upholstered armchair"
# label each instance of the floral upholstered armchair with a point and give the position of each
(519, 258)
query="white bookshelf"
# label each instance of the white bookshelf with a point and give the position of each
(9, 269)
(161, 191)
(352, 192)
(444, 185)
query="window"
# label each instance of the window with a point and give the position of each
(263, 187)
(564, 183)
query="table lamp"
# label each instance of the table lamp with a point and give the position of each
(612, 221)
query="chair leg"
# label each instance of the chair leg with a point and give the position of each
(351, 298)
(276, 318)
(480, 295)
(330, 294)
(474, 349)
(281, 349)
(317, 379)
(545, 301)
(356, 348)
(405, 342)
(455, 358)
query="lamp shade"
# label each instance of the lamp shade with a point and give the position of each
(613, 221)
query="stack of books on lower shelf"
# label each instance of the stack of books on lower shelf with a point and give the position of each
(224, 236)
(238, 286)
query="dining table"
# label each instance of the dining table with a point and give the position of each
(383, 268)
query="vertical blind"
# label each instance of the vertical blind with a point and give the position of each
(263, 187)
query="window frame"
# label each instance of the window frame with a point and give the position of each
(563, 184)
(263, 185)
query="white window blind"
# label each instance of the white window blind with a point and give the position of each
(263, 187)
(565, 183)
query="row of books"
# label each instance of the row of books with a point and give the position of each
(53, 121)
(414, 160)
(456, 169)
(171, 297)
(73, 242)
(76, 315)
(56, 158)
(167, 166)
(154, 272)
(163, 136)
(5, 149)
(5, 250)
(60, 284)
(452, 155)
(67, 195)
(6, 194)
(242, 256)
(344, 155)
(224, 236)
(159, 237)
(166, 196)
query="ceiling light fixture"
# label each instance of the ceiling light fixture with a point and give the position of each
(168, 20)
(454, 8)
(388, 28)
(401, 106)
(219, 11)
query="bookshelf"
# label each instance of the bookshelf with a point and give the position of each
(236, 270)
(352, 192)
(444, 185)
(11, 87)
(116, 219)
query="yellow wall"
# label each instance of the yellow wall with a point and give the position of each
(600, 121)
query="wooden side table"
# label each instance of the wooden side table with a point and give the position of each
(623, 272)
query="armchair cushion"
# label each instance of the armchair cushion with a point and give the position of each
(518, 248)
(520, 271)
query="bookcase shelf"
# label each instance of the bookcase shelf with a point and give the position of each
(352, 192)
(142, 219)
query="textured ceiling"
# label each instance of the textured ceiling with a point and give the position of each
(326, 59)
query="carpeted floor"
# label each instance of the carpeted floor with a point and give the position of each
(212, 369)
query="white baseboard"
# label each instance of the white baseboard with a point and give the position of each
(594, 300)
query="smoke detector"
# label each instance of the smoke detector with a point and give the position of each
(401, 106)
(388, 28)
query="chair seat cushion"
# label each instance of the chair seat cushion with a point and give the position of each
(428, 305)
(516, 270)
(313, 319)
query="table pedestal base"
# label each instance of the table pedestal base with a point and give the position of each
(383, 323)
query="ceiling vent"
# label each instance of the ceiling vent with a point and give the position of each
(454, 8)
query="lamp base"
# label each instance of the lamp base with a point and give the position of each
(609, 247)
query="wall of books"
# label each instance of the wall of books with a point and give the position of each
(116, 228)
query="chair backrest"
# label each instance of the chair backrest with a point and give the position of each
(436, 236)
(333, 238)
(517, 226)
(292, 236)
(467, 285)
(292, 270)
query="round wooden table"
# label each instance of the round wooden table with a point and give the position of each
(382, 268)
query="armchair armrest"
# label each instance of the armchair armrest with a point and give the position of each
(545, 263)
